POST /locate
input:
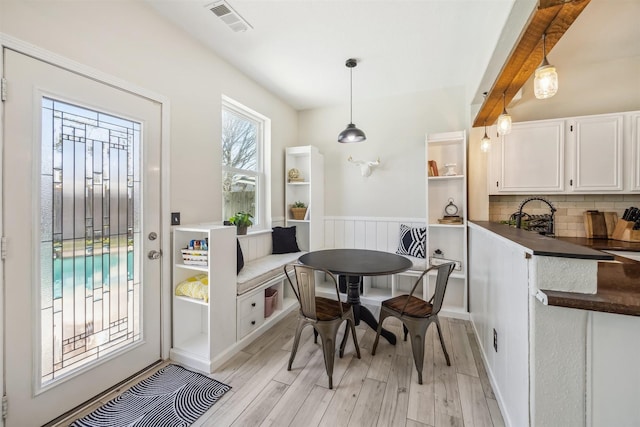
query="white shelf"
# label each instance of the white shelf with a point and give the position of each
(301, 221)
(299, 183)
(198, 345)
(447, 225)
(191, 300)
(204, 268)
(445, 177)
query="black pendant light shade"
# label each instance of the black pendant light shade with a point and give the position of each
(351, 133)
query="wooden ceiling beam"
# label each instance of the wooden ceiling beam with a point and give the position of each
(553, 18)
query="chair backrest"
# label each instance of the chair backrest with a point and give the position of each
(444, 271)
(305, 287)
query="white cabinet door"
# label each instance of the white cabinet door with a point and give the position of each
(532, 158)
(635, 151)
(597, 153)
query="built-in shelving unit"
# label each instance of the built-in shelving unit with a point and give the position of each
(451, 239)
(203, 330)
(308, 161)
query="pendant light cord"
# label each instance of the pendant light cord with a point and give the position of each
(351, 96)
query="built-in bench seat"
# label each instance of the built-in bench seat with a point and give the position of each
(262, 270)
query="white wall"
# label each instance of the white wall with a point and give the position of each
(127, 39)
(395, 129)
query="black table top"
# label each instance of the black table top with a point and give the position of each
(356, 262)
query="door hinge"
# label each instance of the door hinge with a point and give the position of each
(570, 183)
(3, 247)
(3, 89)
(5, 407)
(571, 128)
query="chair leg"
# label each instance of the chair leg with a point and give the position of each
(383, 315)
(444, 348)
(296, 341)
(418, 332)
(343, 343)
(328, 333)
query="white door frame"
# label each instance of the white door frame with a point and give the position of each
(92, 73)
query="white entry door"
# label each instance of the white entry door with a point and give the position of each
(81, 188)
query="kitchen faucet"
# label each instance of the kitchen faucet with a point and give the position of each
(549, 230)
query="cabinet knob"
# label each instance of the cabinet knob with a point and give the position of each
(253, 304)
(253, 322)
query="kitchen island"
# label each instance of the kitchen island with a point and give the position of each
(551, 365)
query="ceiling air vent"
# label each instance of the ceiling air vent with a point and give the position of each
(224, 11)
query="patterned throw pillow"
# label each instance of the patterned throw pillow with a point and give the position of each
(413, 241)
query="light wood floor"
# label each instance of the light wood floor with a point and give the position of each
(380, 390)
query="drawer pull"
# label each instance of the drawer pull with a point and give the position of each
(253, 322)
(253, 304)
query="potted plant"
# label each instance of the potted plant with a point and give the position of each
(242, 220)
(298, 210)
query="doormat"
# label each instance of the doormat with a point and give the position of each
(173, 396)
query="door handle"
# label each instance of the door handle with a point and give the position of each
(153, 254)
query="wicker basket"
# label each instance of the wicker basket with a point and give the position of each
(195, 256)
(298, 213)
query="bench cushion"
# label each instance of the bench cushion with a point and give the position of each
(260, 270)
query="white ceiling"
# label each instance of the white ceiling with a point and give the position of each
(297, 48)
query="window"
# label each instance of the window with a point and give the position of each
(246, 151)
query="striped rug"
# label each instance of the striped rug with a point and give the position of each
(172, 397)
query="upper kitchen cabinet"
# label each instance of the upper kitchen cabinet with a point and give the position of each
(596, 153)
(589, 154)
(530, 159)
(635, 150)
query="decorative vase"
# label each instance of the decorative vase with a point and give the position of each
(298, 213)
(241, 230)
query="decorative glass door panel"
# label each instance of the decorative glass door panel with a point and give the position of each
(81, 193)
(90, 255)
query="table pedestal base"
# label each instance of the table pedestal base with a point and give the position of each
(362, 313)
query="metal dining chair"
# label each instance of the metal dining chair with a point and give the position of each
(417, 314)
(324, 314)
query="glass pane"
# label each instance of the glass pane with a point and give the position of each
(89, 304)
(238, 193)
(239, 143)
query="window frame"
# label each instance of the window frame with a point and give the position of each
(262, 219)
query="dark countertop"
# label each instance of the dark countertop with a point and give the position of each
(542, 245)
(603, 244)
(618, 282)
(618, 277)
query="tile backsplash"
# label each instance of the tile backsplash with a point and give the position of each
(570, 208)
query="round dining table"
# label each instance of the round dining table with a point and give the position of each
(358, 262)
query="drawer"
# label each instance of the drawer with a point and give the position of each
(253, 304)
(249, 323)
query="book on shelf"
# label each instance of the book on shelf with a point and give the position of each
(307, 213)
(433, 168)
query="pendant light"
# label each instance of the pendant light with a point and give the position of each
(545, 82)
(351, 133)
(485, 142)
(504, 119)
